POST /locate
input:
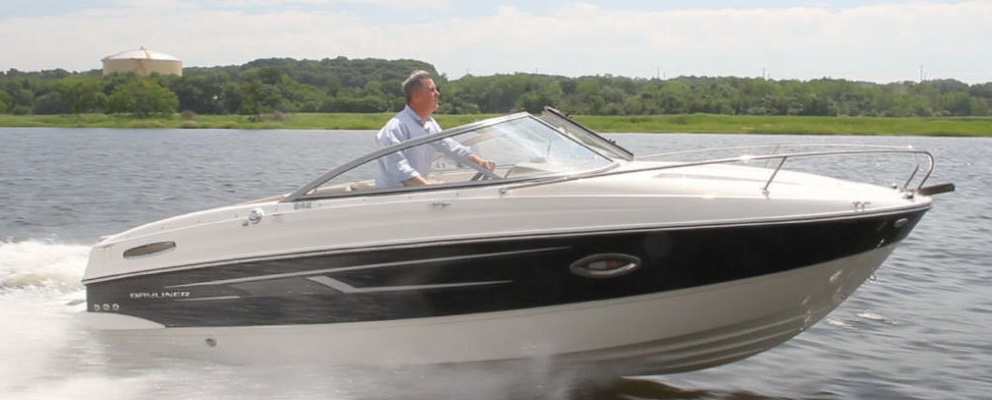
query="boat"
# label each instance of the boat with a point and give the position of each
(571, 250)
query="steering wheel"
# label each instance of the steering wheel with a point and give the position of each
(479, 176)
(482, 174)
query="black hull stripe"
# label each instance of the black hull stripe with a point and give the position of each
(453, 279)
(360, 267)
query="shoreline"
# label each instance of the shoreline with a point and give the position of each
(684, 123)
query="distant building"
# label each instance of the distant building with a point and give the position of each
(142, 62)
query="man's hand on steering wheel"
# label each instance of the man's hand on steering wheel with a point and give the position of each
(482, 162)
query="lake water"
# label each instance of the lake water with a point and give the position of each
(920, 330)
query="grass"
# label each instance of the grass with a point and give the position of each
(656, 123)
(792, 125)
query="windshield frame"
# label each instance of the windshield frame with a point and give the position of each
(584, 135)
(305, 192)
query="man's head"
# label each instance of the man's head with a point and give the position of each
(421, 93)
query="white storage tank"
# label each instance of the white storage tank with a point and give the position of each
(142, 62)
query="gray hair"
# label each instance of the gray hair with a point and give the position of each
(415, 83)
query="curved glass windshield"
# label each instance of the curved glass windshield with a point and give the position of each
(520, 148)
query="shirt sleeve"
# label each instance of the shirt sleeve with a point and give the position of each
(394, 164)
(449, 145)
(452, 146)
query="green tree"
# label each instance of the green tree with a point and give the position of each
(4, 100)
(956, 103)
(50, 104)
(373, 85)
(538, 94)
(674, 97)
(21, 97)
(81, 93)
(201, 93)
(142, 98)
(980, 107)
(588, 97)
(251, 93)
(267, 89)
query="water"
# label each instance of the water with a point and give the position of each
(918, 331)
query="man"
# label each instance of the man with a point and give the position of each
(411, 166)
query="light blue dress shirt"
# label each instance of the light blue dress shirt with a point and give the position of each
(397, 167)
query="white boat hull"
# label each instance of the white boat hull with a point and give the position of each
(661, 333)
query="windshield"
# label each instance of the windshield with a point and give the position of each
(585, 135)
(521, 147)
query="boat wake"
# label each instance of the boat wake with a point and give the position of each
(40, 297)
(41, 266)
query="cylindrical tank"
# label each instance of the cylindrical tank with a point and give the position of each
(142, 62)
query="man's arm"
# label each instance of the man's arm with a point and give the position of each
(484, 163)
(419, 180)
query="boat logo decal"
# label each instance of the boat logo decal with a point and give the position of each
(163, 295)
(605, 265)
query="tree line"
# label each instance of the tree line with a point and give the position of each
(285, 85)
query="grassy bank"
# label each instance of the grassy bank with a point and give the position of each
(792, 125)
(656, 123)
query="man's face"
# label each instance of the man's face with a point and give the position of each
(429, 96)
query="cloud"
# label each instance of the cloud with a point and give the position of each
(882, 42)
(879, 42)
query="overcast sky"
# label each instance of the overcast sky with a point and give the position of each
(878, 41)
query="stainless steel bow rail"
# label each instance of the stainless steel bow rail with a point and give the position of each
(926, 164)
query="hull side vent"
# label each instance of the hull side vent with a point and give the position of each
(149, 249)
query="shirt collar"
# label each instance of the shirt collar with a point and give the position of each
(416, 117)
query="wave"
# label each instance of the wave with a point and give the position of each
(41, 266)
(41, 297)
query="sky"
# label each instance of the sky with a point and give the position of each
(875, 41)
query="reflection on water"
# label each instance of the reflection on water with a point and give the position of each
(643, 388)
